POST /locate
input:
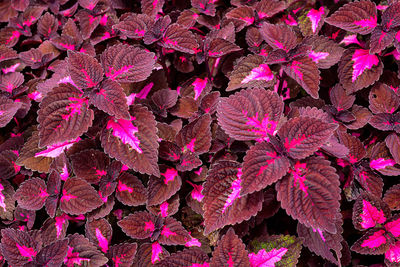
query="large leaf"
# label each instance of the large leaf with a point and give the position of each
(250, 114)
(8, 108)
(359, 17)
(79, 197)
(302, 136)
(126, 63)
(250, 71)
(179, 39)
(382, 99)
(85, 71)
(223, 204)
(262, 166)
(310, 193)
(279, 36)
(134, 141)
(64, 115)
(325, 52)
(31, 194)
(230, 251)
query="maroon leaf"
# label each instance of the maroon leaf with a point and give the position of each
(268, 8)
(138, 225)
(134, 26)
(372, 243)
(243, 14)
(9, 36)
(262, 166)
(122, 253)
(311, 21)
(382, 99)
(180, 39)
(393, 144)
(316, 183)
(7, 200)
(339, 99)
(220, 47)
(359, 17)
(134, 141)
(54, 229)
(195, 137)
(358, 69)
(325, 52)
(369, 211)
(250, 71)
(47, 26)
(90, 165)
(99, 232)
(32, 194)
(305, 72)
(85, 71)
(7, 53)
(63, 115)
(87, 23)
(8, 108)
(356, 148)
(150, 254)
(302, 136)
(204, 6)
(250, 114)
(279, 36)
(187, 257)
(159, 190)
(130, 190)
(380, 160)
(392, 197)
(19, 247)
(173, 233)
(230, 250)
(125, 63)
(53, 254)
(380, 39)
(82, 251)
(223, 204)
(11, 81)
(79, 197)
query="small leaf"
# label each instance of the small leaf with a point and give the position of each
(195, 137)
(32, 194)
(180, 39)
(159, 190)
(85, 71)
(138, 225)
(392, 197)
(130, 190)
(279, 36)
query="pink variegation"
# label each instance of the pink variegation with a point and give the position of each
(263, 72)
(55, 150)
(266, 259)
(362, 60)
(371, 215)
(381, 163)
(375, 240)
(315, 17)
(125, 131)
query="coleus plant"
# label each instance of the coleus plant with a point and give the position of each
(199, 133)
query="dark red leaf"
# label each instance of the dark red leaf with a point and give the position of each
(85, 71)
(325, 52)
(138, 225)
(122, 254)
(268, 8)
(99, 232)
(47, 26)
(160, 189)
(173, 233)
(90, 165)
(7, 200)
(393, 144)
(82, 251)
(374, 242)
(187, 257)
(392, 197)
(279, 36)
(130, 190)
(8, 108)
(382, 99)
(134, 26)
(53, 254)
(11, 81)
(195, 137)
(32, 194)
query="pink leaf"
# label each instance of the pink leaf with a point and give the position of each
(264, 258)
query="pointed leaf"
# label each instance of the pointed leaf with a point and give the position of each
(162, 188)
(392, 197)
(85, 71)
(8, 108)
(90, 165)
(130, 190)
(325, 52)
(195, 137)
(7, 200)
(220, 47)
(382, 99)
(53, 254)
(180, 39)
(32, 194)
(380, 39)
(302, 136)
(125, 63)
(339, 99)
(279, 36)
(268, 8)
(311, 21)
(79, 197)
(262, 166)
(63, 116)
(138, 225)
(150, 254)
(359, 17)
(134, 141)
(83, 252)
(99, 232)
(173, 233)
(230, 251)
(374, 242)
(250, 114)
(393, 144)
(122, 253)
(316, 183)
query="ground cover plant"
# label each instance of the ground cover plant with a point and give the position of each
(199, 133)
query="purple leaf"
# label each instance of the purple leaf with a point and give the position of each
(85, 71)
(32, 194)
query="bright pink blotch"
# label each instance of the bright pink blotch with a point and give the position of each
(198, 87)
(125, 131)
(295, 66)
(103, 242)
(2, 198)
(156, 250)
(263, 72)
(263, 128)
(317, 56)
(60, 220)
(55, 150)
(67, 197)
(164, 209)
(367, 23)
(299, 176)
(235, 187)
(205, 264)
(266, 259)
(371, 215)
(73, 258)
(149, 226)
(393, 227)
(393, 253)
(169, 175)
(315, 17)
(362, 60)
(381, 163)
(375, 240)
(196, 192)
(194, 242)
(26, 252)
(294, 142)
(166, 232)
(123, 187)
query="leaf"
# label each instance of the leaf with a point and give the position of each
(130, 190)
(7, 200)
(122, 253)
(385, 121)
(8, 108)
(359, 17)
(173, 233)
(392, 197)
(126, 63)
(311, 21)
(134, 26)
(7, 53)
(90, 165)
(159, 190)
(382, 99)
(64, 115)
(393, 144)
(314, 184)
(79, 197)
(244, 14)
(250, 71)
(275, 250)
(47, 26)
(339, 99)
(134, 141)
(187, 257)
(195, 137)
(11, 81)
(380, 39)
(369, 211)
(391, 255)
(53, 254)
(19, 247)
(138, 225)
(150, 254)
(220, 47)
(278, 36)
(250, 114)
(180, 39)
(302, 136)
(231, 251)
(223, 204)
(325, 52)
(82, 251)
(356, 149)
(262, 166)
(268, 8)
(204, 6)
(374, 242)
(99, 232)
(152, 8)
(85, 71)
(305, 72)
(358, 69)
(31, 194)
